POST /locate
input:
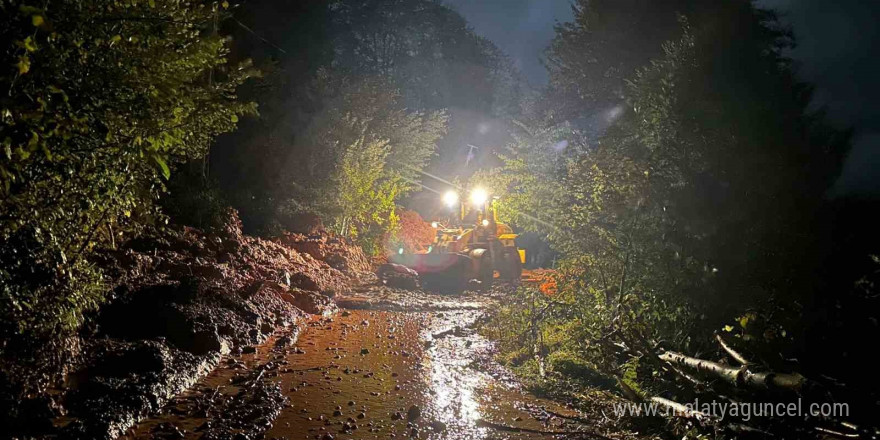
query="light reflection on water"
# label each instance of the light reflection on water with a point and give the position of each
(470, 394)
(454, 386)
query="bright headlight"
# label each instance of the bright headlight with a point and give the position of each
(450, 198)
(479, 196)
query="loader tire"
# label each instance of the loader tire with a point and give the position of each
(511, 266)
(453, 280)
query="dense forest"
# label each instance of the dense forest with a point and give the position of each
(699, 211)
(673, 162)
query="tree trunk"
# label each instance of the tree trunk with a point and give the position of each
(739, 376)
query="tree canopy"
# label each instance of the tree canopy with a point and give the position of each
(404, 77)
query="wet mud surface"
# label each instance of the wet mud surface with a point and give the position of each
(367, 373)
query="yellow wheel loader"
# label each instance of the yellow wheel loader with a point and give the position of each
(466, 253)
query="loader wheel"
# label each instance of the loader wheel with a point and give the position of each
(511, 266)
(453, 280)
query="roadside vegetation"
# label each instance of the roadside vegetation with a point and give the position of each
(101, 100)
(697, 221)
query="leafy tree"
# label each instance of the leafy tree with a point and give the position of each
(420, 50)
(362, 152)
(424, 47)
(591, 57)
(528, 179)
(289, 43)
(428, 52)
(101, 99)
(696, 206)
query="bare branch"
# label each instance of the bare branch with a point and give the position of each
(733, 353)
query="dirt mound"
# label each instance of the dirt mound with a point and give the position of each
(181, 298)
(334, 251)
(229, 257)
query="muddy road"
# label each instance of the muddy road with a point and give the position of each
(371, 372)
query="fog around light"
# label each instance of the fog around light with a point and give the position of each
(479, 196)
(450, 198)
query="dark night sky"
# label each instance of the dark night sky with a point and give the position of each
(838, 44)
(838, 50)
(521, 28)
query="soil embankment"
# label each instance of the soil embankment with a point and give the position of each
(182, 301)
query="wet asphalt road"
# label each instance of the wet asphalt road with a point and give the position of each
(365, 374)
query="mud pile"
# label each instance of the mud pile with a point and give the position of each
(335, 251)
(182, 298)
(227, 256)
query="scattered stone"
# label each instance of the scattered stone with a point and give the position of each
(168, 431)
(413, 413)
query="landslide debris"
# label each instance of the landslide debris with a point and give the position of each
(332, 250)
(181, 298)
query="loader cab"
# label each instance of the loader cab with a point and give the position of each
(448, 240)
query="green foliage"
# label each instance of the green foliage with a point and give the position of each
(517, 326)
(363, 152)
(542, 331)
(388, 67)
(193, 200)
(530, 162)
(37, 298)
(591, 57)
(101, 99)
(365, 204)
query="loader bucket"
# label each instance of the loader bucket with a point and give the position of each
(442, 272)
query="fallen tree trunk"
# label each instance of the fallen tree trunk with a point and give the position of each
(738, 376)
